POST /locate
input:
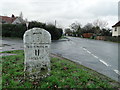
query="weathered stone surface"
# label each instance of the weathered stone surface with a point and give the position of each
(37, 48)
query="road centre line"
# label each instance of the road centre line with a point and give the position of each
(89, 52)
(116, 71)
(104, 62)
(96, 57)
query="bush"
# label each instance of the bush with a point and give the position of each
(18, 30)
(56, 33)
(113, 39)
(13, 30)
(36, 24)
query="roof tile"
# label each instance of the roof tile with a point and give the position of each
(7, 19)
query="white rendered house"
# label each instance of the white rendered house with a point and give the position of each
(116, 29)
(18, 20)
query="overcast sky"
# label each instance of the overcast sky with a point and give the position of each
(64, 12)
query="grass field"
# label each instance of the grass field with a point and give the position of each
(64, 74)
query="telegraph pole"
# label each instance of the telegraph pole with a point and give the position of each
(55, 23)
(119, 11)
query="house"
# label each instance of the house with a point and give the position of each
(116, 29)
(11, 20)
(18, 20)
(6, 19)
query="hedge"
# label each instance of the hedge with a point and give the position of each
(13, 30)
(18, 30)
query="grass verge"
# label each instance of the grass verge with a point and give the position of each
(64, 74)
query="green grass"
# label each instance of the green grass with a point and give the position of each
(0, 73)
(64, 74)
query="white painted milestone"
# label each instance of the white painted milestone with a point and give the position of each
(37, 49)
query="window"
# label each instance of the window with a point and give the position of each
(115, 28)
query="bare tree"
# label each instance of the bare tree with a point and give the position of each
(88, 26)
(68, 32)
(100, 23)
(75, 26)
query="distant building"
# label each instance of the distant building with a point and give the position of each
(6, 19)
(18, 20)
(116, 29)
(12, 19)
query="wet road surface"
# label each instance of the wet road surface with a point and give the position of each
(100, 56)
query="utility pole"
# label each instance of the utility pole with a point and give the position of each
(55, 23)
(119, 11)
(27, 23)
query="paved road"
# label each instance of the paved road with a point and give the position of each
(98, 55)
(7, 44)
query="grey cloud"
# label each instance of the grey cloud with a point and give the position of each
(104, 8)
(65, 11)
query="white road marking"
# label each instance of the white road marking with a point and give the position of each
(84, 49)
(89, 52)
(96, 57)
(104, 62)
(116, 71)
(92, 54)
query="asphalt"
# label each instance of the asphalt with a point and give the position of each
(101, 56)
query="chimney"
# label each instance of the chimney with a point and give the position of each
(13, 16)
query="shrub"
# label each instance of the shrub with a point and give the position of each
(113, 39)
(36, 24)
(18, 30)
(13, 30)
(56, 33)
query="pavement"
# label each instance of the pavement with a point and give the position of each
(100, 56)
